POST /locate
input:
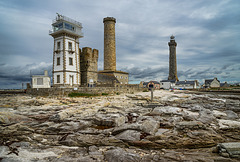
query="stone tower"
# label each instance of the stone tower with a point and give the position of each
(89, 66)
(66, 33)
(172, 59)
(109, 44)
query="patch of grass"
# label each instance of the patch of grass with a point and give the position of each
(104, 94)
(145, 90)
(81, 95)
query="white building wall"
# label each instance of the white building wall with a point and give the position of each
(74, 54)
(46, 83)
(68, 78)
(55, 77)
(167, 85)
(58, 67)
(215, 84)
(186, 86)
(59, 54)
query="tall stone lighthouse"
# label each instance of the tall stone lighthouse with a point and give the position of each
(172, 59)
(66, 58)
(109, 44)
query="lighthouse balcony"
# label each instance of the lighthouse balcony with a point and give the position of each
(72, 32)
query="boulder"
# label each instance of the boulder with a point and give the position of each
(109, 119)
(129, 135)
(206, 116)
(219, 114)
(120, 155)
(167, 111)
(150, 126)
(196, 108)
(231, 149)
(231, 115)
(161, 131)
(9, 118)
(228, 124)
(132, 126)
(192, 125)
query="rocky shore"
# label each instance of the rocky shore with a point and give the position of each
(175, 126)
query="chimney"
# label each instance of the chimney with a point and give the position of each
(45, 73)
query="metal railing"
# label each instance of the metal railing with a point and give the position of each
(61, 17)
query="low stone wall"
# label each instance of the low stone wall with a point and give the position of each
(94, 90)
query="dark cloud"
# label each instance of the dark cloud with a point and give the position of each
(14, 76)
(207, 33)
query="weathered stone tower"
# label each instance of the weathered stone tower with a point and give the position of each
(66, 33)
(109, 44)
(110, 71)
(172, 59)
(89, 66)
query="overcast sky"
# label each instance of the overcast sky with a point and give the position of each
(207, 33)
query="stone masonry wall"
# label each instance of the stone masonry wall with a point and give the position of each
(89, 65)
(95, 90)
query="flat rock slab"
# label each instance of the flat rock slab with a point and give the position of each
(229, 149)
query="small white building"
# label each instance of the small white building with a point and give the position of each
(41, 81)
(187, 84)
(167, 84)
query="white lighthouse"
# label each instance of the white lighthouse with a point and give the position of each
(66, 58)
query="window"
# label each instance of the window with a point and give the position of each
(125, 77)
(58, 61)
(39, 81)
(58, 27)
(58, 45)
(58, 78)
(70, 61)
(116, 76)
(69, 27)
(70, 46)
(121, 77)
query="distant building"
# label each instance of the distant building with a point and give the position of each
(211, 83)
(224, 85)
(41, 81)
(151, 84)
(167, 84)
(236, 84)
(186, 84)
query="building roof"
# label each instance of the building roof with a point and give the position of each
(223, 84)
(107, 78)
(209, 81)
(185, 82)
(172, 81)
